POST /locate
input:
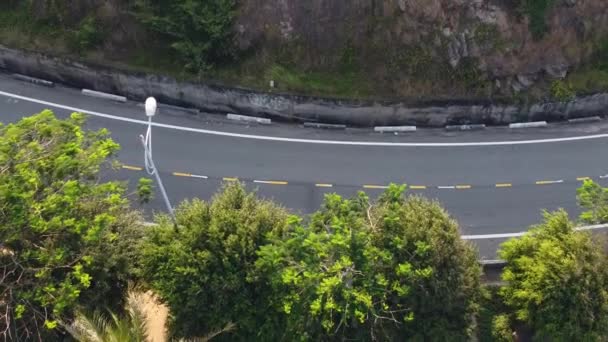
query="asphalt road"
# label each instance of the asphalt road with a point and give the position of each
(488, 186)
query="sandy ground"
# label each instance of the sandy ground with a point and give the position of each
(156, 316)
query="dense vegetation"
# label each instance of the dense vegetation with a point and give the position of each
(242, 268)
(62, 233)
(195, 40)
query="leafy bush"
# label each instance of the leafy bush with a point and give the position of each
(556, 281)
(396, 270)
(594, 200)
(199, 31)
(205, 270)
(536, 10)
(87, 35)
(562, 91)
(501, 329)
(63, 235)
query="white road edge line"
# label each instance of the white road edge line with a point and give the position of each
(199, 176)
(446, 187)
(307, 141)
(518, 234)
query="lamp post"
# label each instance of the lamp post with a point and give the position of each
(149, 162)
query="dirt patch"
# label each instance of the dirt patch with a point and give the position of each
(156, 315)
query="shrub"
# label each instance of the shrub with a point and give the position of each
(562, 91)
(205, 270)
(395, 270)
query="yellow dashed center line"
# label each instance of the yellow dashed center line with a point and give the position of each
(418, 187)
(132, 168)
(463, 187)
(549, 182)
(271, 182)
(504, 185)
(375, 187)
(181, 174)
(321, 185)
(230, 179)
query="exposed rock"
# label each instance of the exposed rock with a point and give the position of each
(401, 4)
(557, 71)
(230, 100)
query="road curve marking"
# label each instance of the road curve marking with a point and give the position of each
(308, 141)
(271, 182)
(504, 185)
(549, 182)
(321, 185)
(132, 168)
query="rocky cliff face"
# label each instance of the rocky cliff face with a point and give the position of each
(411, 44)
(399, 48)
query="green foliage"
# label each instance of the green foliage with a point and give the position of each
(346, 84)
(501, 329)
(88, 35)
(601, 56)
(556, 281)
(594, 199)
(536, 10)
(61, 232)
(199, 31)
(112, 327)
(490, 323)
(488, 36)
(144, 190)
(395, 270)
(562, 91)
(205, 270)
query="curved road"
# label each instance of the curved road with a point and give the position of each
(495, 181)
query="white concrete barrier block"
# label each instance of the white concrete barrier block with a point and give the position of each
(245, 118)
(583, 120)
(465, 127)
(528, 124)
(323, 125)
(102, 95)
(33, 80)
(392, 129)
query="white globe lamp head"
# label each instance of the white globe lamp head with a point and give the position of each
(150, 106)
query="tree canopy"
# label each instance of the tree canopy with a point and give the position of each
(205, 270)
(594, 200)
(61, 229)
(393, 270)
(556, 281)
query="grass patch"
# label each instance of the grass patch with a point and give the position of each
(589, 80)
(345, 84)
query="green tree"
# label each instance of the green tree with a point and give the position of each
(199, 31)
(556, 282)
(62, 233)
(594, 200)
(205, 269)
(394, 270)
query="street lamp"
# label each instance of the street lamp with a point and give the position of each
(149, 162)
